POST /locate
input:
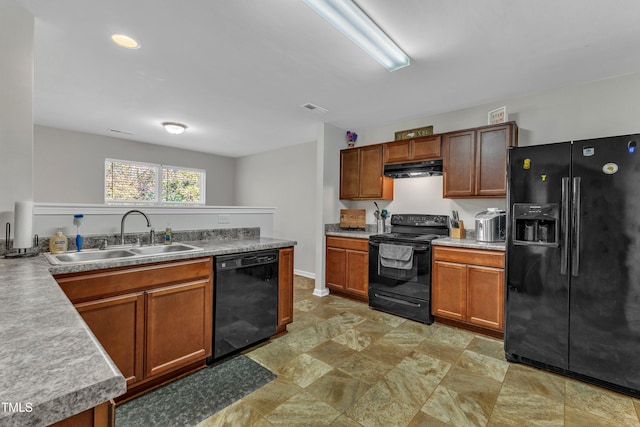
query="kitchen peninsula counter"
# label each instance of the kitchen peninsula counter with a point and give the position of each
(51, 365)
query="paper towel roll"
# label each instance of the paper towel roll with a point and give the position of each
(23, 225)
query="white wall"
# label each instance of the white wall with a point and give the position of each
(284, 179)
(69, 166)
(16, 109)
(603, 108)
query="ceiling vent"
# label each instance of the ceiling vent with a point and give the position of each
(121, 131)
(315, 108)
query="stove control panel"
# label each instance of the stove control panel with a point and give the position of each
(420, 220)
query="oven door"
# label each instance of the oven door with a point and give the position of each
(414, 282)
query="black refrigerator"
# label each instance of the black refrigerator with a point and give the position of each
(573, 260)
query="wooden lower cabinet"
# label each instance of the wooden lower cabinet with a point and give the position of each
(285, 289)
(347, 266)
(98, 416)
(468, 288)
(153, 320)
(118, 323)
(179, 326)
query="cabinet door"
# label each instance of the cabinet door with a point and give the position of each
(449, 290)
(357, 271)
(349, 173)
(335, 275)
(397, 152)
(285, 287)
(491, 160)
(458, 160)
(485, 300)
(371, 172)
(118, 323)
(426, 148)
(179, 326)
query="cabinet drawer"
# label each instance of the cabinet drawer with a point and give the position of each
(348, 243)
(80, 287)
(484, 257)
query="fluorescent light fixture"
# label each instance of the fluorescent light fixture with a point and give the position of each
(125, 41)
(347, 17)
(174, 128)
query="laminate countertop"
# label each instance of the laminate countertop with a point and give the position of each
(51, 365)
(468, 243)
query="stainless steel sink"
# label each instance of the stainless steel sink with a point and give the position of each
(164, 249)
(119, 253)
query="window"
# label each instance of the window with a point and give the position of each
(128, 182)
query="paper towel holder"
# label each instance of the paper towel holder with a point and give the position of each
(19, 252)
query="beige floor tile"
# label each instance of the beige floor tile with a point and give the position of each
(236, 415)
(338, 389)
(304, 339)
(365, 368)
(440, 350)
(452, 337)
(268, 397)
(420, 364)
(487, 346)
(483, 365)
(384, 318)
(472, 395)
(530, 408)
(302, 410)
(423, 420)
(375, 408)
(344, 421)
(536, 381)
(578, 418)
(354, 339)
(405, 386)
(302, 321)
(386, 352)
(305, 305)
(331, 352)
(303, 370)
(600, 402)
(274, 354)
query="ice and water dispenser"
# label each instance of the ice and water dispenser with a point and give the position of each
(536, 224)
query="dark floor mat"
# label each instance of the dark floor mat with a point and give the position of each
(191, 399)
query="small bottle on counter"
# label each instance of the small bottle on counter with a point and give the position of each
(168, 236)
(58, 243)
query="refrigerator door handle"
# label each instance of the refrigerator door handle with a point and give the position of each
(575, 247)
(564, 226)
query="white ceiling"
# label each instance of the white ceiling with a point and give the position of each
(237, 71)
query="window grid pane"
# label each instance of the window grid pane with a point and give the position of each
(129, 182)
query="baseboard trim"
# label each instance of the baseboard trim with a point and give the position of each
(303, 273)
(321, 292)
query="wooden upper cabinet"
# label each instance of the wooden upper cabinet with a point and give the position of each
(413, 150)
(475, 161)
(458, 164)
(350, 173)
(361, 174)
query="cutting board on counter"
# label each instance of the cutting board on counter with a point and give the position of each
(353, 218)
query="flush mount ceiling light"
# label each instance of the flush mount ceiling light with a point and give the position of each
(125, 41)
(347, 17)
(174, 128)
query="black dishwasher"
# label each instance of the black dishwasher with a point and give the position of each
(245, 301)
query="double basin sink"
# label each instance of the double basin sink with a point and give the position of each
(95, 255)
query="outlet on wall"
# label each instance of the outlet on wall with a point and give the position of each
(224, 219)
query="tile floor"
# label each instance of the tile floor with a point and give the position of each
(343, 364)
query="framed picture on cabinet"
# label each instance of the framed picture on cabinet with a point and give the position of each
(498, 115)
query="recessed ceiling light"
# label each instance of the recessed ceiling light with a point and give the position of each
(125, 41)
(174, 128)
(315, 108)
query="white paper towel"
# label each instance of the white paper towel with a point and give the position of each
(23, 225)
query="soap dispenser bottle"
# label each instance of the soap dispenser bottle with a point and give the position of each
(58, 243)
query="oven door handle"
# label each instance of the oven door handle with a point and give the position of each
(397, 301)
(420, 248)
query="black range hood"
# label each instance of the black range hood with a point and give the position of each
(415, 169)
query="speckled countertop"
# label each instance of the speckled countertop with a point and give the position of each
(468, 243)
(49, 359)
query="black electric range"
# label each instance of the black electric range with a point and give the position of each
(400, 265)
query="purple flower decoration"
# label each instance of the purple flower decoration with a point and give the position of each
(351, 136)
